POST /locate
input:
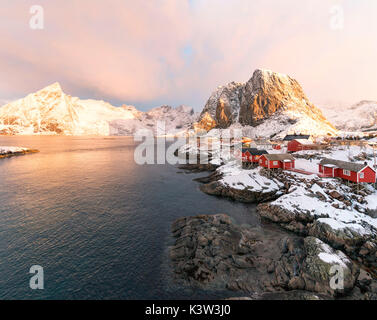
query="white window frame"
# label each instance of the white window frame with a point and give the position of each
(347, 172)
(361, 175)
(275, 163)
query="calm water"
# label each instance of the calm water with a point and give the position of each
(96, 222)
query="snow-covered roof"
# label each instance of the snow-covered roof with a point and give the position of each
(351, 166)
(279, 157)
(304, 141)
(330, 165)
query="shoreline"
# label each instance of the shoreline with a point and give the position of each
(360, 250)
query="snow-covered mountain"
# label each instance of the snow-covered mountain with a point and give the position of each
(361, 116)
(269, 104)
(51, 111)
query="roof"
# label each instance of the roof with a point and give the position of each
(254, 151)
(279, 157)
(351, 166)
(290, 137)
(304, 141)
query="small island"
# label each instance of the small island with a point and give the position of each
(6, 152)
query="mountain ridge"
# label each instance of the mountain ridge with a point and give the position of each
(361, 116)
(51, 111)
(266, 97)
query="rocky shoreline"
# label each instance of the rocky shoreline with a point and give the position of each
(212, 251)
(214, 246)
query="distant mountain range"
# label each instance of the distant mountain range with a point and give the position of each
(270, 104)
(51, 111)
(361, 116)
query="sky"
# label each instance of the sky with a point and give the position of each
(149, 53)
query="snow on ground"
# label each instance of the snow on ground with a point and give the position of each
(302, 200)
(307, 165)
(237, 178)
(338, 214)
(8, 150)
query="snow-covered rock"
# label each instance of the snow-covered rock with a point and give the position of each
(14, 151)
(223, 106)
(51, 111)
(270, 103)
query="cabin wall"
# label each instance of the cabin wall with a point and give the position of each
(352, 177)
(263, 162)
(329, 171)
(293, 146)
(246, 157)
(369, 175)
(275, 166)
(289, 165)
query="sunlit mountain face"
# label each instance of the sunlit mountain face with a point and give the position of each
(51, 111)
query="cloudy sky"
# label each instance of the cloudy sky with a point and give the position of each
(154, 52)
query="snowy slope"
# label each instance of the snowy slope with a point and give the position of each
(358, 117)
(51, 111)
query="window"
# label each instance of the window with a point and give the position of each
(361, 175)
(275, 163)
(346, 172)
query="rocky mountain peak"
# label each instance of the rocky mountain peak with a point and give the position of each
(267, 95)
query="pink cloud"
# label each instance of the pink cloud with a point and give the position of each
(131, 51)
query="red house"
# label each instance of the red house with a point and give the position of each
(277, 160)
(355, 172)
(301, 144)
(252, 155)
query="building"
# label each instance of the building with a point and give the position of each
(251, 155)
(291, 137)
(277, 160)
(301, 144)
(351, 171)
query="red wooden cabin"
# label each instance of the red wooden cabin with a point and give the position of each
(355, 172)
(252, 155)
(277, 160)
(301, 144)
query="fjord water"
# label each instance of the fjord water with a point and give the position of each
(98, 223)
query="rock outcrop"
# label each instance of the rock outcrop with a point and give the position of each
(216, 188)
(211, 251)
(265, 95)
(222, 108)
(360, 247)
